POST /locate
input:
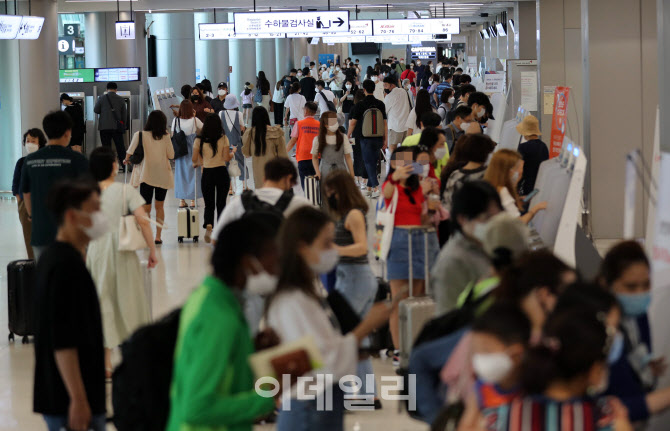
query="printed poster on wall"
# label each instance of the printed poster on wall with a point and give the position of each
(529, 90)
(559, 120)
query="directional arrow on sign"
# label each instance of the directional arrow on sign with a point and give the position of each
(339, 22)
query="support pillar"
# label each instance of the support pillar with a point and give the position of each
(10, 114)
(283, 57)
(527, 27)
(242, 56)
(265, 59)
(95, 41)
(175, 49)
(211, 56)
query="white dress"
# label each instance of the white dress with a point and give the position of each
(118, 276)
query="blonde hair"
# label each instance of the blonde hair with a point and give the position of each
(498, 172)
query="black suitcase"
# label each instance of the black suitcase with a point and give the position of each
(20, 288)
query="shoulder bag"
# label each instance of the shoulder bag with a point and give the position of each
(120, 127)
(384, 226)
(130, 232)
(137, 156)
(179, 141)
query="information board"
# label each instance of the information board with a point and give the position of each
(344, 39)
(117, 74)
(76, 75)
(294, 22)
(388, 38)
(227, 31)
(31, 27)
(494, 83)
(125, 30)
(360, 27)
(9, 26)
(416, 26)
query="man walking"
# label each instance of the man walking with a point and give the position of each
(112, 110)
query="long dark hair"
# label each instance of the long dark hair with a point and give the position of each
(212, 131)
(260, 120)
(359, 96)
(348, 195)
(422, 105)
(412, 183)
(156, 124)
(299, 229)
(323, 131)
(263, 83)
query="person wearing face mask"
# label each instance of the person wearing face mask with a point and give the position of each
(185, 175)
(446, 103)
(118, 275)
(69, 384)
(533, 151)
(201, 106)
(398, 106)
(347, 100)
(421, 107)
(219, 100)
(433, 82)
(247, 97)
(33, 140)
(634, 375)
(566, 373)
(78, 123)
(462, 116)
(354, 277)
(39, 172)
(308, 85)
(478, 102)
(504, 173)
(213, 386)
(336, 81)
(298, 309)
(331, 150)
(324, 95)
(302, 137)
(408, 73)
(421, 72)
(378, 79)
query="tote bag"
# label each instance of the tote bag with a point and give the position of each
(384, 226)
(130, 232)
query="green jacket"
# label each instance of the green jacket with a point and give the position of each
(212, 383)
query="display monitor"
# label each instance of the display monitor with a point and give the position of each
(76, 75)
(117, 74)
(364, 48)
(31, 27)
(9, 26)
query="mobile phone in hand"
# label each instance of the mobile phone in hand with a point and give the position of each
(531, 195)
(417, 168)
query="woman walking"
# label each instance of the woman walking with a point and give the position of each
(118, 275)
(210, 150)
(185, 175)
(262, 142)
(247, 102)
(332, 147)
(233, 127)
(154, 174)
(278, 104)
(263, 85)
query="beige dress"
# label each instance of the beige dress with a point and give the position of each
(155, 169)
(275, 146)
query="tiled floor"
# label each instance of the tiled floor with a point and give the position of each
(181, 267)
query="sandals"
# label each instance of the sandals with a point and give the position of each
(158, 242)
(182, 204)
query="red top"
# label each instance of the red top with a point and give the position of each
(407, 214)
(408, 74)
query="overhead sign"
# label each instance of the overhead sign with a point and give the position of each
(344, 39)
(76, 75)
(9, 26)
(360, 27)
(71, 30)
(125, 30)
(292, 35)
(416, 26)
(414, 38)
(117, 74)
(31, 27)
(227, 31)
(390, 38)
(293, 22)
(66, 45)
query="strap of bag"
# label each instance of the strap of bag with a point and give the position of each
(284, 201)
(116, 114)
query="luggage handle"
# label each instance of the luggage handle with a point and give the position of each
(426, 263)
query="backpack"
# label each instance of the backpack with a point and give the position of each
(253, 205)
(331, 105)
(141, 384)
(373, 123)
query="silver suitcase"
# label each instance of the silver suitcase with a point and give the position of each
(415, 311)
(188, 220)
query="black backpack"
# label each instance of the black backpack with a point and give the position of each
(331, 105)
(141, 384)
(253, 205)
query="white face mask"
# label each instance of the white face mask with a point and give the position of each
(426, 170)
(222, 92)
(479, 231)
(263, 283)
(327, 261)
(31, 148)
(299, 74)
(99, 225)
(333, 127)
(374, 79)
(492, 367)
(465, 126)
(451, 100)
(430, 81)
(515, 177)
(440, 153)
(348, 86)
(481, 113)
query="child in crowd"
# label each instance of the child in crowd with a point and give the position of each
(247, 97)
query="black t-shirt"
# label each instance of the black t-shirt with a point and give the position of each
(359, 109)
(288, 82)
(40, 171)
(534, 152)
(67, 317)
(76, 112)
(308, 88)
(348, 103)
(217, 104)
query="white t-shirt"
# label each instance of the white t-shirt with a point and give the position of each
(332, 140)
(229, 117)
(508, 203)
(296, 103)
(190, 126)
(235, 210)
(323, 107)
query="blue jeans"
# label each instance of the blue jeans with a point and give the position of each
(426, 362)
(358, 285)
(370, 148)
(56, 423)
(305, 169)
(304, 416)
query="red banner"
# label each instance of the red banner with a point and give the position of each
(559, 120)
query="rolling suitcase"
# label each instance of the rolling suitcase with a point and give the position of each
(188, 220)
(414, 312)
(20, 289)
(313, 190)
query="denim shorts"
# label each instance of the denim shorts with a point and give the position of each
(398, 257)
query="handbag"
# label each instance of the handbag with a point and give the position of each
(179, 141)
(384, 227)
(131, 237)
(344, 313)
(234, 169)
(120, 127)
(137, 157)
(258, 98)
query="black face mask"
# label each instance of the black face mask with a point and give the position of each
(195, 99)
(332, 202)
(387, 91)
